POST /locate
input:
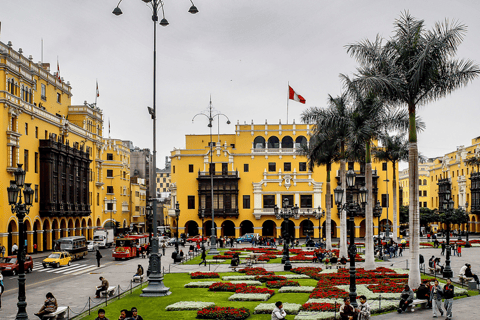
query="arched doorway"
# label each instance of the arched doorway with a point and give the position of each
(288, 228)
(84, 229)
(333, 229)
(383, 225)
(99, 223)
(287, 142)
(77, 227)
(90, 230)
(362, 229)
(306, 228)
(192, 228)
(208, 228)
(246, 227)
(70, 228)
(55, 227)
(12, 228)
(228, 228)
(27, 226)
(269, 229)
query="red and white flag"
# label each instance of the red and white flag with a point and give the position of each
(98, 92)
(58, 70)
(292, 95)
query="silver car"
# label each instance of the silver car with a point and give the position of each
(92, 246)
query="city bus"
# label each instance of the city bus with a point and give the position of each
(76, 246)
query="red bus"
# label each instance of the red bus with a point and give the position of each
(126, 248)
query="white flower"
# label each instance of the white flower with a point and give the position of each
(244, 277)
(295, 276)
(249, 282)
(309, 315)
(295, 289)
(199, 284)
(249, 297)
(189, 305)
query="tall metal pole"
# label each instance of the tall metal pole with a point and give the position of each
(387, 227)
(22, 303)
(447, 271)
(352, 252)
(155, 287)
(213, 242)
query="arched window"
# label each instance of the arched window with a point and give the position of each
(259, 143)
(299, 141)
(273, 142)
(287, 142)
(419, 182)
(424, 182)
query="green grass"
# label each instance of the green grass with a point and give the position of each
(154, 308)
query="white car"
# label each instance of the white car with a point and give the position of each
(92, 246)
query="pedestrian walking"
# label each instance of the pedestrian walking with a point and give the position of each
(2, 251)
(204, 256)
(459, 251)
(14, 249)
(98, 255)
(436, 293)
(2, 288)
(34, 248)
(443, 248)
(448, 293)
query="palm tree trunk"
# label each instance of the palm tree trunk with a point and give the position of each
(328, 204)
(414, 215)
(395, 204)
(369, 254)
(343, 217)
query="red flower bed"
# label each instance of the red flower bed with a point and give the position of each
(320, 307)
(282, 283)
(270, 277)
(220, 286)
(223, 313)
(426, 244)
(222, 257)
(203, 275)
(255, 271)
(328, 292)
(301, 257)
(253, 289)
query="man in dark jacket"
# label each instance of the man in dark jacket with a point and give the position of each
(406, 299)
(423, 293)
(102, 287)
(98, 255)
(448, 293)
(204, 256)
(469, 274)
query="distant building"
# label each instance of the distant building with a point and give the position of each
(141, 167)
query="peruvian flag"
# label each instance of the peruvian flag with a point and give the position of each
(292, 95)
(98, 92)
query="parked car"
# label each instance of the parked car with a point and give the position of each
(197, 238)
(57, 259)
(10, 265)
(171, 241)
(92, 246)
(382, 235)
(162, 239)
(248, 237)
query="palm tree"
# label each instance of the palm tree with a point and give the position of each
(370, 119)
(394, 149)
(323, 149)
(414, 67)
(336, 117)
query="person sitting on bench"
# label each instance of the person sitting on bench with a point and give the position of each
(102, 287)
(235, 260)
(334, 259)
(50, 305)
(468, 273)
(438, 266)
(431, 262)
(139, 271)
(406, 299)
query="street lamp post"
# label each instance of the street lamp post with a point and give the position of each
(210, 116)
(377, 212)
(318, 215)
(21, 210)
(447, 210)
(177, 215)
(351, 207)
(155, 287)
(387, 227)
(202, 215)
(286, 213)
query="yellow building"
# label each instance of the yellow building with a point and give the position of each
(138, 199)
(424, 183)
(63, 153)
(450, 172)
(254, 169)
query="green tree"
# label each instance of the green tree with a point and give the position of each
(414, 67)
(427, 216)
(404, 215)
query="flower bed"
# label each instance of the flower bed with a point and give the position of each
(204, 275)
(229, 278)
(315, 315)
(328, 292)
(253, 289)
(249, 297)
(199, 284)
(287, 289)
(189, 305)
(267, 308)
(282, 283)
(224, 257)
(295, 276)
(320, 307)
(247, 282)
(269, 278)
(223, 313)
(255, 271)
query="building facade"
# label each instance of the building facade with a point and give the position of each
(253, 170)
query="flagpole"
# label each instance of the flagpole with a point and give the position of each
(288, 97)
(96, 92)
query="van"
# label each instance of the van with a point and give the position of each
(248, 237)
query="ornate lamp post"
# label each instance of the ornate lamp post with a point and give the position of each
(377, 212)
(387, 226)
(155, 287)
(202, 215)
(286, 213)
(210, 117)
(351, 207)
(21, 210)
(177, 215)
(447, 208)
(319, 215)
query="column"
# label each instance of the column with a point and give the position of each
(357, 231)
(237, 232)
(297, 232)
(58, 233)
(316, 232)
(40, 240)
(279, 232)
(29, 241)
(49, 240)
(200, 231)
(4, 242)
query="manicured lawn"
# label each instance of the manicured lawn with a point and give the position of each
(154, 308)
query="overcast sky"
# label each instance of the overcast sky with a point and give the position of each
(242, 53)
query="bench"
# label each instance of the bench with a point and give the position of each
(422, 302)
(59, 314)
(110, 291)
(464, 279)
(138, 278)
